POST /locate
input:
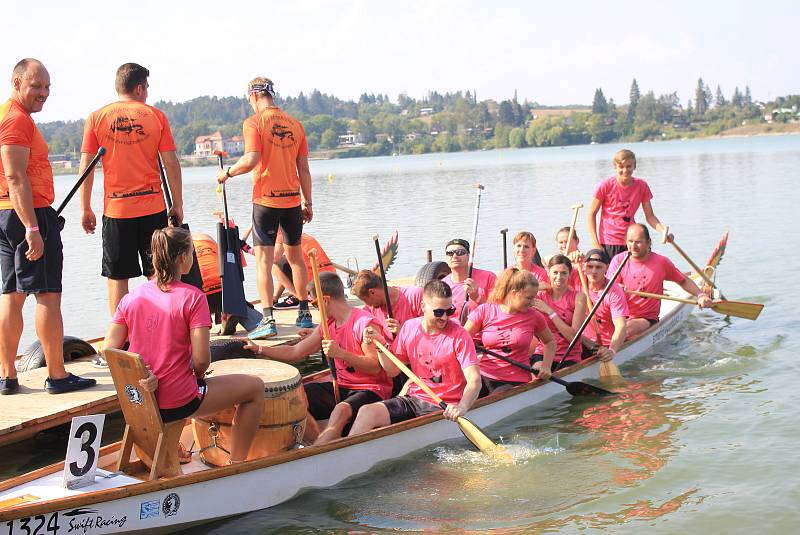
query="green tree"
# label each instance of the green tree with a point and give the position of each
(736, 99)
(633, 101)
(516, 138)
(599, 104)
(700, 99)
(506, 113)
(329, 139)
(720, 98)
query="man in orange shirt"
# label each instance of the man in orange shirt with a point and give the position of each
(275, 146)
(134, 135)
(31, 254)
(282, 269)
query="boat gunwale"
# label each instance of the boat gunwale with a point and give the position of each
(126, 491)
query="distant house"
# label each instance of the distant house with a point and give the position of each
(351, 140)
(206, 145)
(425, 111)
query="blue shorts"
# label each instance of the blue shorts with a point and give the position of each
(20, 274)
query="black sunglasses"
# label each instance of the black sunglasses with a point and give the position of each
(457, 252)
(439, 312)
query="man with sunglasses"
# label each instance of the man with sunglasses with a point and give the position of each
(440, 352)
(361, 379)
(612, 314)
(275, 146)
(477, 287)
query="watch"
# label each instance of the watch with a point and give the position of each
(228, 172)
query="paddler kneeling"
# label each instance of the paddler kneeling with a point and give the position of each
(167, 322)
(361, 380)
(441, 353)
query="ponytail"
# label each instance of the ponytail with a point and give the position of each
(166, 246)
(512, 279)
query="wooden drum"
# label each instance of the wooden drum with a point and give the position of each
(283, 420)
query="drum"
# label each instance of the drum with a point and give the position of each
(283, 420)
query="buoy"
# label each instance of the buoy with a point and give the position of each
(330, 178)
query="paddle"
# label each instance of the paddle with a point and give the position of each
(588, 318)
(323, 314)
(739, 309)
(465, 309)
(383, 277)
(505, 248)
(470, 430)
(233, 299)
(700, 272)
(607, 368)
(194, 277)
(575, 388)
(89, 168)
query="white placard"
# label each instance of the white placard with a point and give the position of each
(83, 450)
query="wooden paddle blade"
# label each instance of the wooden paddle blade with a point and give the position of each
(482, 442)
(577, 388)
(609, 369)
(740, 309)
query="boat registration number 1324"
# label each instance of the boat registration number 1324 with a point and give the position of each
(36, 525)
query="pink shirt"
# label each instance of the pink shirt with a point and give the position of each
(613, 306)
(618, 206)
(509, 335)
(485, 281)
(349, 336)
(159, 326)
(647, 276)
(407, 306)
(565, 308)
(438, 359)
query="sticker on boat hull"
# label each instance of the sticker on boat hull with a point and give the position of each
(149, 509)
(171, 504)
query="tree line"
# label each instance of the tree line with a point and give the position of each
(458, 121)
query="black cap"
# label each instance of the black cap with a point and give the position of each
(458, 241)
(598, 255)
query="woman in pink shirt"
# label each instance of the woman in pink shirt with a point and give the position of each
(524, 249)
(565, 309)
(507, 324)
(167, 322)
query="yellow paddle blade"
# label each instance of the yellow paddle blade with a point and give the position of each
(482, 442)
(740, 309)
(609, 369)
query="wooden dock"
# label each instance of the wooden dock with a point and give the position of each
(33, 410)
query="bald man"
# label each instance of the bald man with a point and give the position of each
(31, 255)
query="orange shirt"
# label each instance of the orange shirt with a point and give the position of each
(133, 134)
(308, 242)
(17, 128)
(208, 262)
(279, 139)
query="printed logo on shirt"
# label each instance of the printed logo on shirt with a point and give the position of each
(435, 374)
(124, 194)
(132, 132)
(280, 133)
(283, 193)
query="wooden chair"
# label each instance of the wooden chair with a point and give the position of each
(156, 443)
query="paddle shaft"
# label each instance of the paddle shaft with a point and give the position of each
(696, 268)
(81, 179)
(575, 209)
(383, 277)
(663, 296)
(588, 318)
(465, 308)
(345, 269)
(504, 232)
(585, 287)
(411, 375)
(323, 318)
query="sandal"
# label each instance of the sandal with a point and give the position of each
(184, 455)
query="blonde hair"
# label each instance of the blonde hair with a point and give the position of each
(166, 247)
(623, 155)
(512, 279)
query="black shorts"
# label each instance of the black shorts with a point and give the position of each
(266, 222)
(184, 411)
(321, 400)
(19, 273)
(539, 358)
(214, 302)
(126, 242)
(614, 250)
(404, 408)
(489, 385)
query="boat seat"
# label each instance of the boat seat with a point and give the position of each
(156, 443)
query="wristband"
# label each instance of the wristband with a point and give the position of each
(612, 351)
(553, 315)
(31, 229)
(228, 172)
(307, 203)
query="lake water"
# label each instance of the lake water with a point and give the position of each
(705, 438)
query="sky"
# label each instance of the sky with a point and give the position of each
(551, 52)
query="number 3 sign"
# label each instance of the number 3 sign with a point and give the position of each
(83, 450)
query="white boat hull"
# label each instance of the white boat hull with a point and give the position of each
(127, 505)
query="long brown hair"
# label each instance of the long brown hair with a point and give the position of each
(512, 279)
(166, 246)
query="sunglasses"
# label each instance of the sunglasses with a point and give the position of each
(456, 252)
(439, 312)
